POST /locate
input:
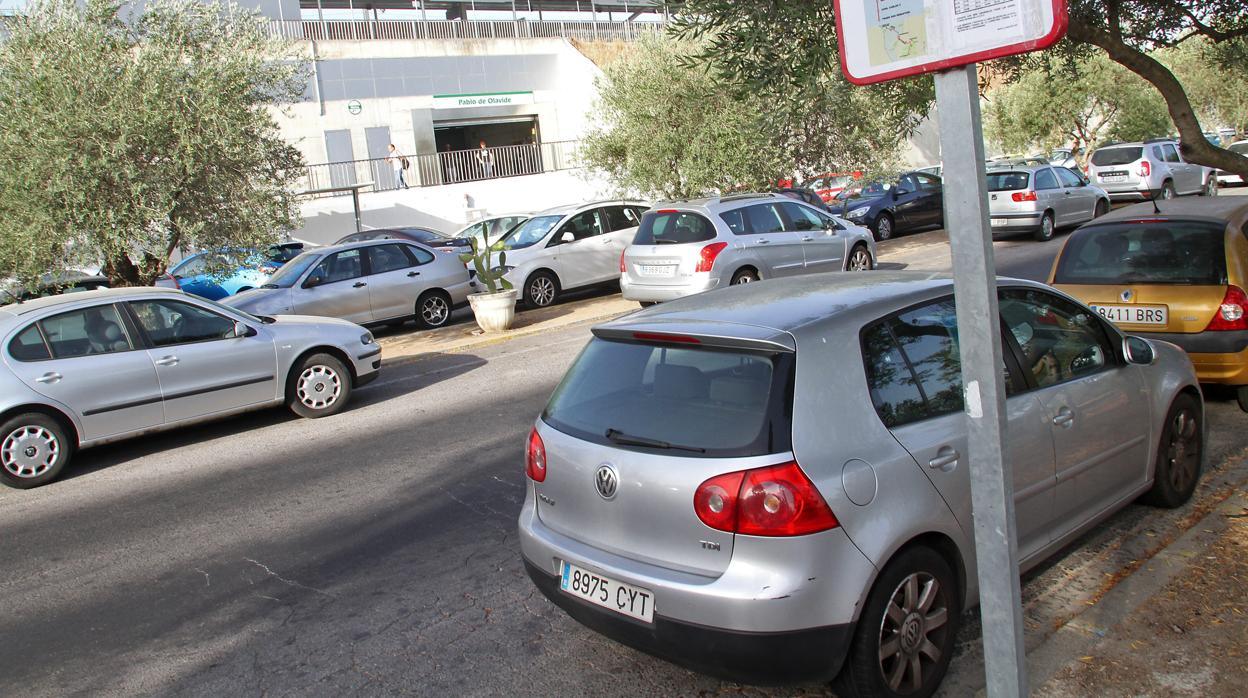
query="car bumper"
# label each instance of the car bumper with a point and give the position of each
(1227, 178)
(655, 293)
(1218, 357)
(752, 658)
(367, 365)
(1132, 191)
(1010, 223)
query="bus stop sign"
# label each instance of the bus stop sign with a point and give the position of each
(883, 40)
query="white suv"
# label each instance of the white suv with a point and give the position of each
(1140, 171)
(569, 247)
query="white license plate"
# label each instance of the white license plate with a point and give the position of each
(1135, 314)
(1113, 178)
(655, 269)
(625, 599)
(998, 222)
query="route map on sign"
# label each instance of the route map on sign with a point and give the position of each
(897, 31)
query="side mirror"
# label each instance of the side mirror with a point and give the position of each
(242, 330)
(567, 236)
(1137, 350)
(313, 281)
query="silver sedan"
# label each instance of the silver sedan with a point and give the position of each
(769, 483)
(378, 281)
(88, 368)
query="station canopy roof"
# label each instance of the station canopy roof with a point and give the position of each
(629, 6)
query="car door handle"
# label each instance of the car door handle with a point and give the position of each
(413, 273)
(358, 284)
(764, 241)
(946, 456)
(1065, 418)
(50, 377)
(167, 361)
(808, 239)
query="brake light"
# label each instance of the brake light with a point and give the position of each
(778, 500)
(709, 253)
(1145, 169)
(1023, 196)
(659, 337)
(622, 269)
(535, 463)
(1230, 314)
(667, 210)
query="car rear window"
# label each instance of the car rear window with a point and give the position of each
(1008, 181)
(1116, 156)
(673, 228)
(688, 402)
(1151, 252)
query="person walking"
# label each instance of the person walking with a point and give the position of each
(398, 163)
(486, 159)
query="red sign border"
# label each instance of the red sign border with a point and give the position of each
(1060, 21)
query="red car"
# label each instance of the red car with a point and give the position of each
(829, 184)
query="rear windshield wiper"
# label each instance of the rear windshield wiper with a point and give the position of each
(619, 437)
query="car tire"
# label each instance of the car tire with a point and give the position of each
(881, 658)
(1210, 188)
(1045, 232)
(882, 228)
(541, 290)
(34, 449)
(1179, 455)
(319, 386)
(743, 276)
(647, 304)
(860, 259)
(433, 310)
(1167, 190)
(1102, 207)
(1241, 396)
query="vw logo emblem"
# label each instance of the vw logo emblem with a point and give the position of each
(607, 481)
(1126, 295)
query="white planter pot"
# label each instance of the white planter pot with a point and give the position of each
(494, 311)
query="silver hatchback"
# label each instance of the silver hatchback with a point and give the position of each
(769, 483)
(99, 366)
(377, 281)
(687, 247)
(1038, 199)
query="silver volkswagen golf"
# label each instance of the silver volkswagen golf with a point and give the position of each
(687, 247)
(768, 483)
(88, 368)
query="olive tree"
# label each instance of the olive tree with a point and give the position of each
(128, 136)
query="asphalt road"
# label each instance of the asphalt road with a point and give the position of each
(371, 553)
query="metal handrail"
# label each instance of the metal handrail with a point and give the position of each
(401, 30)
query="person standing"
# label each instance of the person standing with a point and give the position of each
(486, 158)
(398, 163)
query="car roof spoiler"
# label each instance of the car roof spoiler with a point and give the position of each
(721, 335)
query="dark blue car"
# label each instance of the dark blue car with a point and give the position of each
(915, 200)
(243, 270)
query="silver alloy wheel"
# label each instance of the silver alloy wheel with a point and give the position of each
(542, 291)
(1211, 187)
(917, 609)
(1167, 191)
(319, 387)
(434, 310)
(1046, 227)
(1183, 451)
(860, 260)
(744, 278)
(29, 451)
(884, 228)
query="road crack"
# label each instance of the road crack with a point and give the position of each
(291, 582)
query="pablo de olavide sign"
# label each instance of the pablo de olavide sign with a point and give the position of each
(482, 99)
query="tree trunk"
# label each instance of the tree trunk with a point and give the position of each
(1194, 146)
(121, 272)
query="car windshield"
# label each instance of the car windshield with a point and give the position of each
(1116, 156)
(290, 272)
(531, 232)
(1007, 181)
(284, 253)
(425, 236)
(228, 310)
(693, 401)
(867, 191)
(1145, 252)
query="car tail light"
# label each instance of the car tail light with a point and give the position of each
(1023, 196)
(535, 463)
(1145, 169)
(174, 279)
(622, 267)
(1230, 314)
(709, 253)
(778, 500)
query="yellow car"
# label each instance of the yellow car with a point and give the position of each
(1175, 272)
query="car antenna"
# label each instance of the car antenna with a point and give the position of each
(1153, 199)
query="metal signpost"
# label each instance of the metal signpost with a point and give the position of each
(888, 39)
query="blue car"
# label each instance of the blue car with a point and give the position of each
(244, 270)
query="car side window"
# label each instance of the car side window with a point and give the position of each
(191, 267)
(341, 266)
(386, 258)
(1068, 178)
(170, 322)
(927, 182)
(582, 225)
(1045, 180)
(764, 218)
(913, 368)
(908, 183)
(1172, 155)
(736, 221)
(619, 218)
(1060, 341)
(28, 345)
(417, 255)
(801, 217)
(95, 330)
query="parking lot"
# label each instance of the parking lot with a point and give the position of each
(374, 552)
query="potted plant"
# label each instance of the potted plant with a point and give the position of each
(495, 308)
